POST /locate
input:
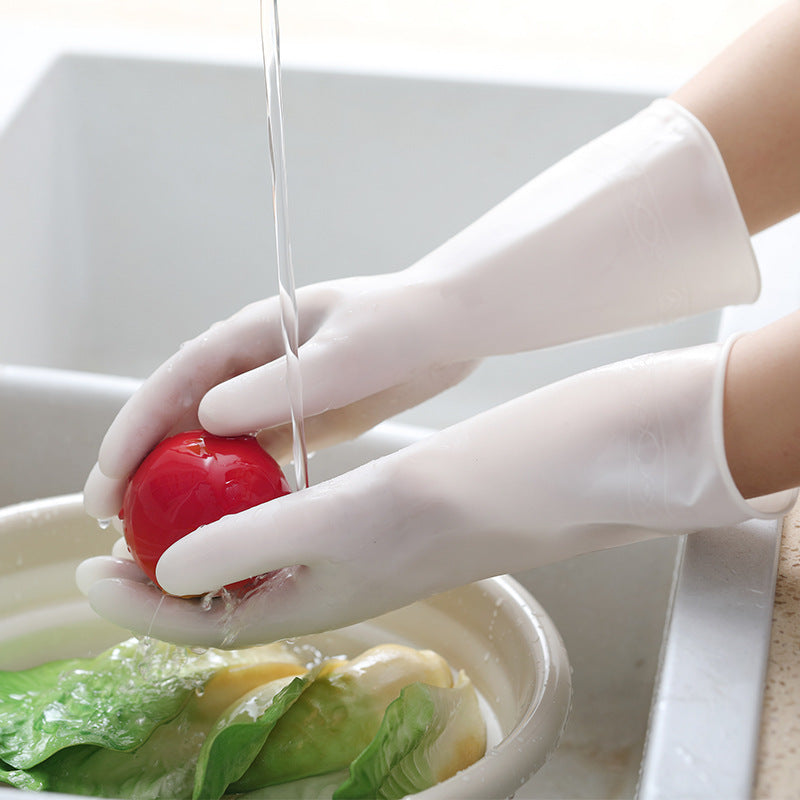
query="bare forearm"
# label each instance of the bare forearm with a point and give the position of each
(762, 408)
(749, 100)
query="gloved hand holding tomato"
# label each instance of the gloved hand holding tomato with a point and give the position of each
(607, 457)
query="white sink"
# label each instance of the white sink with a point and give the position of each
(134, 212)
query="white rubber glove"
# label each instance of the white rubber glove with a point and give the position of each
(607, 457)
(638, 227)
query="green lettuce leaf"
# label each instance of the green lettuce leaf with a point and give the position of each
(337, 716)
(19, 778)
(115, 700)
(152, 721)
(164, 766)
(71, 724)
(426, 736)
(317, 787)
(239, 734)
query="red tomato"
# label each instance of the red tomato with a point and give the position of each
(189, 480)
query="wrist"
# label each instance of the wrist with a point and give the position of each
(761, 430)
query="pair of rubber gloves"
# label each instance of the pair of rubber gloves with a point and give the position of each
(641, 226)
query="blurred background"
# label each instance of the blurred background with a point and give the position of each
(632, 41)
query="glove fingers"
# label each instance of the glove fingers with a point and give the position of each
(250, 401)
(331, 377)
(101, 568)
(333, 524)
(342, 424)
(257, 400)
(287, 606)
(281, 533)
(120, 547)
(145, 610)
(102, 496)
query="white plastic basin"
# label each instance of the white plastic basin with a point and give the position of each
(493, 629)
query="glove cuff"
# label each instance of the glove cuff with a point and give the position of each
(640, 226)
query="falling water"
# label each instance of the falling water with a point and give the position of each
(270, 48)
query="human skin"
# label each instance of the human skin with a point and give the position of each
(762, 400)
(749, 100)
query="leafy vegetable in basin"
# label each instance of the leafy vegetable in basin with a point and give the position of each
(151, 720)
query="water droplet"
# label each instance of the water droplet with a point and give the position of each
(207, 600)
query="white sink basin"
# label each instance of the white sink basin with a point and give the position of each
(134, 212)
